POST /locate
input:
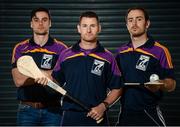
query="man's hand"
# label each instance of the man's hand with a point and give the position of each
(44, 80)
(97, 112)
(154, 86)
(41, 80)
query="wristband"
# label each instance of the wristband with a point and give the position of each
(106, 104)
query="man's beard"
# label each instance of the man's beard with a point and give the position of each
(138, 34)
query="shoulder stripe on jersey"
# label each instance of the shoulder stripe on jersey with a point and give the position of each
(14, 50)
(60, 42)
(98, 57)
(138, 50)
(145, 52)
(40, 50)
(76, 55)
(108, 51)
(127, 50)
(168, 56)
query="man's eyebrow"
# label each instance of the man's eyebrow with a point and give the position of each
(38, 18)
(35, 17)
(136, 17)
(130, 18)
(139, 17)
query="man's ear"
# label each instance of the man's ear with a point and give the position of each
(127, 27)
(78, 28)
(99, 28)
(148, 24)
(31, 24)
(50, 23)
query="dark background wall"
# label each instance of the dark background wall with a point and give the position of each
(15, 26)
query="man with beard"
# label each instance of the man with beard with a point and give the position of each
(138, 60)
(39, 106)
(87, 71)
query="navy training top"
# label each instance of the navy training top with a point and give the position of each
(86, 75)
(137, 65)
(45, 57)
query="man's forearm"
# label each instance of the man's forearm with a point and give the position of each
(112, 97)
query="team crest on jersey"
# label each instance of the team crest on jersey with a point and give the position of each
(46, 61)
(142, 62)
(97, 67)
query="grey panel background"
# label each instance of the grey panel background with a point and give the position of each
(15, 26)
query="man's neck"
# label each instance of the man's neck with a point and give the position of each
(138, 41)
(88, 45)
(41, 39)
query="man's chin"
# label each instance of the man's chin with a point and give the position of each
(91, 40)
(42, 33)
(137, 34)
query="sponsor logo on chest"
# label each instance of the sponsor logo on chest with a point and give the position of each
(46, 61)
(97, 67)
(142, 63)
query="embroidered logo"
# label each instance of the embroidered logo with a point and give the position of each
(142, 62)
(97, 67)
(46, 61)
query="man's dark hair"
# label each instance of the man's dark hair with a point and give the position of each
(34, 11)
(146, 15)
(89, 14)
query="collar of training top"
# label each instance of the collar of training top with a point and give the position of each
(149, 43)
(99, 47)
(49, 42)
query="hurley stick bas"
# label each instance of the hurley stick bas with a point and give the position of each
(27, 66)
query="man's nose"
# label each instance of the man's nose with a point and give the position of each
(40, 22)
(89, 29)
(134, 22)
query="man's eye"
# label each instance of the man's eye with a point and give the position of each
(93, 25)
(44, 20)
(84, 25)
(36, 20)
(130, 20)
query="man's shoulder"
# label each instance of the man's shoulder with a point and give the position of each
(22, 43)
(123, 47)
(59, 43)
(69, 53)
(68, 49)
(108, 52)
(106, 55)
(160, 45)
